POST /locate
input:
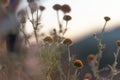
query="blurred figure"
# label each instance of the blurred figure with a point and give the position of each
(9, 28)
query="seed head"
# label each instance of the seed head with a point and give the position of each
(106, 18)
(91, 57)
(67, 17)
(48, 39)
(67, 41)
(57, 7)
(42, 8)
(78, 63)
(118, 43)
(66, 8)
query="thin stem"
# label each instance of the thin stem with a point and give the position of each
(35, 32)
(39, 18)
(65, 28)
(25, 36)
(36, 37)
(58, 19)
(103, 29)
(66, 24)
(69, 61)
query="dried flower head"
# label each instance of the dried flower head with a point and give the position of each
(88, 76)
(48, 39)
(118, 43)
(107, 18)
(42, 8)
(67, 17)
(66, 8)
(67, 41)
(91, 57)
(78, 63)
(57, 7)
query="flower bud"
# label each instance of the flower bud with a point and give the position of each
(57, 7)
(107, 18)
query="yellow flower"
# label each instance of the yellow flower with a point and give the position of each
(57, 7)
(107, 18)
(48, 39)
(67, 41)
(67, 17)
(118, 43)
(78, 63)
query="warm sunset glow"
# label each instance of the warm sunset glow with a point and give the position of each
(87, 16)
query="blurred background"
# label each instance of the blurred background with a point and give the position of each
(87, 19)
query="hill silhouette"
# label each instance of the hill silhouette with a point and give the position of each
(88, 45)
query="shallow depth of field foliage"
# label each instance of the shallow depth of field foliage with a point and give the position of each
(50, 53)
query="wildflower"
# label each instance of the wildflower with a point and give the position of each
(23, 20)
(78, 63)
(57, 7)
(67, 41)
(91, 57)
(48, 39)
(42, 8)
(107, 18)
(66, 8)
(67, 17)
(88, 76)
(118, 43)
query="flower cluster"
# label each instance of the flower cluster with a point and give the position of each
(52, 55)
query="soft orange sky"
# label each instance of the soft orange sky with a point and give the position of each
(87, 16)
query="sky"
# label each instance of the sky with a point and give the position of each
(87, 16)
